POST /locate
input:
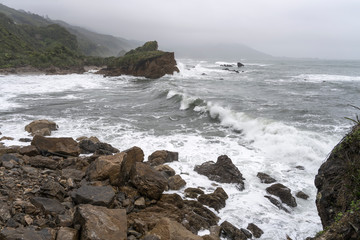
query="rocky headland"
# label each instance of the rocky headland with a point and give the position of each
(145, 61)
(61, 188)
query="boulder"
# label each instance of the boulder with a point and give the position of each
(106, 167)
(101, 223)
(94, 146)
(216, 200)
(30, 151)
(229, 231)
(95, 195)
(53, 189)
(133, 155)
(239, 64)
(56, 146)
(148, 181)
(27, 233)
(176, 182)
(193, 192)
(166, 170)
(43, 162)
(41, 127)
(66, 233)
(74, 174)
(162, 156)
(265, 178)
(277, 203)
(302, 195)
(48, 205)
(9, 161)
(172, 230)
(283, 192)
(256, 231)
(223, 171)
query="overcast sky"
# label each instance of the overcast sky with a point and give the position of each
(293, 28)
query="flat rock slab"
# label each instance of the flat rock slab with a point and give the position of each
(43, 162)
(57, 146)
(95, 195)
(48, 205)
(101, 223)
(27, 234)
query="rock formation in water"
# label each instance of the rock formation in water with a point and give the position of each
(338, 184)
(146, 61)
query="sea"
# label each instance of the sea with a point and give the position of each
(280, 117)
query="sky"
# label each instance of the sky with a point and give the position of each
(328, 29)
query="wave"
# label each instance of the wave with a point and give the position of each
(186, 102)
(327, 78)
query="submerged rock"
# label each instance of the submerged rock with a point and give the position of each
(223, 171)
(265, 178)
(216, 200)
(283, 192)
(256, 231)
(229, 231)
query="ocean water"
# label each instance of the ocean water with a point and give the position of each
(270, 117)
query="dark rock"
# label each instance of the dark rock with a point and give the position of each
(43, 162)
(162, 156)
(265, 178)
(239, 64)
(133, 155)
(53, 189)
(216, 200)
(168, 171)
(41, 127)
(193, 192)
(277, 203)
(256, 231)
(9, 161)
(106, 167)
(48, 205)
(101, 223)
(246, 232)
(302, 195)
(229, 231)
(95, 195)
(66, 233)
(283, 192)
(28, 234)
(29, 151)
(90, 146)
(300, 167)
(56, 146)
(25, 140)
(148, 181)
(176, 182)
(75, 174)
(223, 171)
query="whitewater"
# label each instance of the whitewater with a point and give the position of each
(281, 117)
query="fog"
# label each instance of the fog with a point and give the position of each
(318, 29)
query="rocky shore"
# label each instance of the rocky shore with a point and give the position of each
(61, 188)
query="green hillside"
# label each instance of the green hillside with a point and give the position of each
(37, 46)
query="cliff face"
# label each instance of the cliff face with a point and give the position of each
(338, 184)
(146, 61)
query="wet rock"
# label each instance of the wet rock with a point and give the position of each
(148, 181)
(193, 192)
(229, 231)
(223, 171)
(28, 233)
(216, 200)
(198, 217)
(48, 205)
(6, 138)
(95, 146)
(256, 231)
(265, 178)
(172, 230)
(106, 167)
(25, 140)
(162, 156)
(277, 203)
(302, 195)
(133, 155)
(29, 151)
(283, 192)
(66, 233)
(176, 182)
(41, 127)
(43, 162)
(168, 171)
(53, 189)
(95, 195)
(101, 223)
(56, 146)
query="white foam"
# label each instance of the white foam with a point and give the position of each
(317, 78)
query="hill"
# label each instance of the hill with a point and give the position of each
(89, 43)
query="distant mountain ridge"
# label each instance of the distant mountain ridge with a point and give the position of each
(89, 43)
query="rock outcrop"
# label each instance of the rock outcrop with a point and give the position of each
(223, 171)
(41, 127)
(146, 61)
(338, 184)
